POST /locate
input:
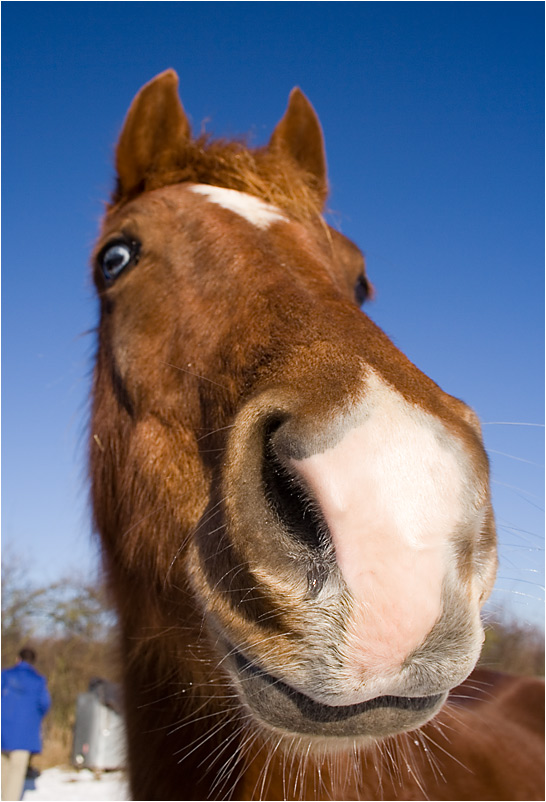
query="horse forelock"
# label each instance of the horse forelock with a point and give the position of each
(269, 174)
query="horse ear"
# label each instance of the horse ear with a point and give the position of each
(154, 134)
(300, 135)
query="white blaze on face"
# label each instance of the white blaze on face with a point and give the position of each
(255, 210)
(391, 494)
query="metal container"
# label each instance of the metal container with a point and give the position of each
(99, 732)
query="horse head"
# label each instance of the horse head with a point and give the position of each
(287, 503)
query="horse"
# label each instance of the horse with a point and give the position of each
(296, 522)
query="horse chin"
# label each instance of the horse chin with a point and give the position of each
(279, 707)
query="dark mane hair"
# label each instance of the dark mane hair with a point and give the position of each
(273, 177)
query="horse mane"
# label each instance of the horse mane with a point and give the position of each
(270, 174)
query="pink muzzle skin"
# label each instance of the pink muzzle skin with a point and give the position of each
(390, 493)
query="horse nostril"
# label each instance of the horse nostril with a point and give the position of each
(295, 508)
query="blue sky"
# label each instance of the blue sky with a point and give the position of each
(433, 120)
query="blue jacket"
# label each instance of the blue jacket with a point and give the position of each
(25, 701)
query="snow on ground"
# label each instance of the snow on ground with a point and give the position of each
(68, 785)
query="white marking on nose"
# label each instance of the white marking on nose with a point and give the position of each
(255, 210)
(391, 492)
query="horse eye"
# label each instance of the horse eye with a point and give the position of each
(362, 290)
(116, 256)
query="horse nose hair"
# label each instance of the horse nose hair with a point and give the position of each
(296, 510)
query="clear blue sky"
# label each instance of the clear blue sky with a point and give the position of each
(433, 118)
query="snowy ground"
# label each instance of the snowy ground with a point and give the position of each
(64, 785)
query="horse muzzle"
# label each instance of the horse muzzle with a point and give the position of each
(345, 535)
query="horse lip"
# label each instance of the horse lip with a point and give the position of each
(323, 712)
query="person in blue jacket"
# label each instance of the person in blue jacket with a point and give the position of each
(25, 701)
